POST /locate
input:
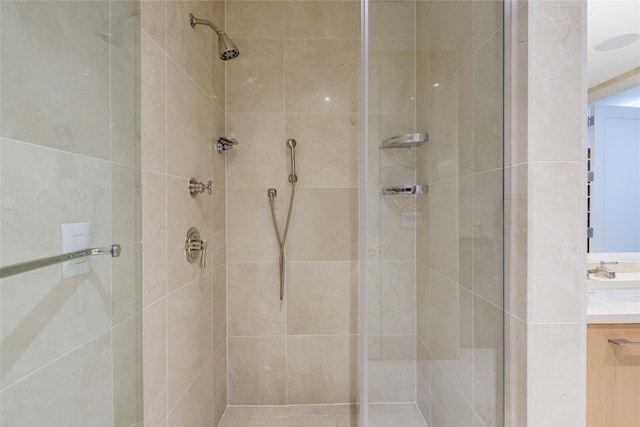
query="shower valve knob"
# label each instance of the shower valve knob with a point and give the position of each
(195, 246)
(196, 187)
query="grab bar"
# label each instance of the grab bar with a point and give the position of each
(113, 250)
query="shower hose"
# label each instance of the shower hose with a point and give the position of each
(281, 240)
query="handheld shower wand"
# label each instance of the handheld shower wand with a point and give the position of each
(272, 193)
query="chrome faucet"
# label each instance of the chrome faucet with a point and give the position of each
(602, 270)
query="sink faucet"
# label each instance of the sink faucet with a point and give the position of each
(602, 270)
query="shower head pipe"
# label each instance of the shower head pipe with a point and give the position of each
(197, 21)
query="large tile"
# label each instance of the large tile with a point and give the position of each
(322, 298)
(251, 236)
(254, 300)
(322, 76)
(450, 26)
(459, 364)
(219, 307)
(217, 238)
(392, 291)
(392, 20)
(448, 408)
(557, 368)
(153, 104)
(392, 70)
(66, 107)
(219, 84)
(557, 104)
(257, 371)
(154, 336)
(259, 159)
(445, 309)
(324, 225)
(154, 237)
(327, 153)
(423, 381)
(255, 79)
(488, 236)
(188, 327)
(488, 362)
(392, 368)
(423, 308)
(191, 48)
(125, 82)
(219, 383)
(76, 390)
(516, 251)
(444, 228)
(44, 316)
(194, 407)
(153, 20)
(255, 20)
(557, 271)
(126, 271)
(322, 19)
(488, 100)
(127, 346)
(189, 126)
(322, 369)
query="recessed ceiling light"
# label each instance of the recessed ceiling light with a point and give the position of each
(617, 42)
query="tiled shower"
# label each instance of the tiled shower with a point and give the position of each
(203, 340)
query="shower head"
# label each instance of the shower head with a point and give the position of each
(291, 143)
(227, 49)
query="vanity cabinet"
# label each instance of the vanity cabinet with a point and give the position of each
(613, 376)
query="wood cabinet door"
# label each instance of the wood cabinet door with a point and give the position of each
(613, 376)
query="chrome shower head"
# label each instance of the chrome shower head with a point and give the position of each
(291, 143)
(227, 49)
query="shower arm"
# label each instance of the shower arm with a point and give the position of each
(196, 21)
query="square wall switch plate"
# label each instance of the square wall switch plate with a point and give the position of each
(74, 237)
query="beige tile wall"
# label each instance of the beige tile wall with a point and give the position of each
(71, 348)
(546, 221)
(297, 77)
(391, 251)
(184, 316)
(459, 246)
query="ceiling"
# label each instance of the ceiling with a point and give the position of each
(607, 19)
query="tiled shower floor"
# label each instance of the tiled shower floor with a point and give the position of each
(380, 415)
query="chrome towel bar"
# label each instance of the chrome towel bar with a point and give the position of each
(10, 270)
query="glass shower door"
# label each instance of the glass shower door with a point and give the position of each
(70, 351)
(434, 212)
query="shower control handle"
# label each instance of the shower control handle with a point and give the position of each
(196, 187)
(195, 246)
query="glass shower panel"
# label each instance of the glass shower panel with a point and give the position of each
(434, 212)
(70, 351)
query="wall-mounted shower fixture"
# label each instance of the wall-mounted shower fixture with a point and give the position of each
(226, 47)
(272, 193)
(194, 246)
(196, 187)
(225, 143)
(409, 140)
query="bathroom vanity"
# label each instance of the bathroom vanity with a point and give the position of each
(613, 345)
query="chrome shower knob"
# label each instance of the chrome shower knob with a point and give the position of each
(195, 246)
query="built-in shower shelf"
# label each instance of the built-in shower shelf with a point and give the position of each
(405, 141)
(407, 190)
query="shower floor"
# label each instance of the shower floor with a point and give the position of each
(380, 415)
